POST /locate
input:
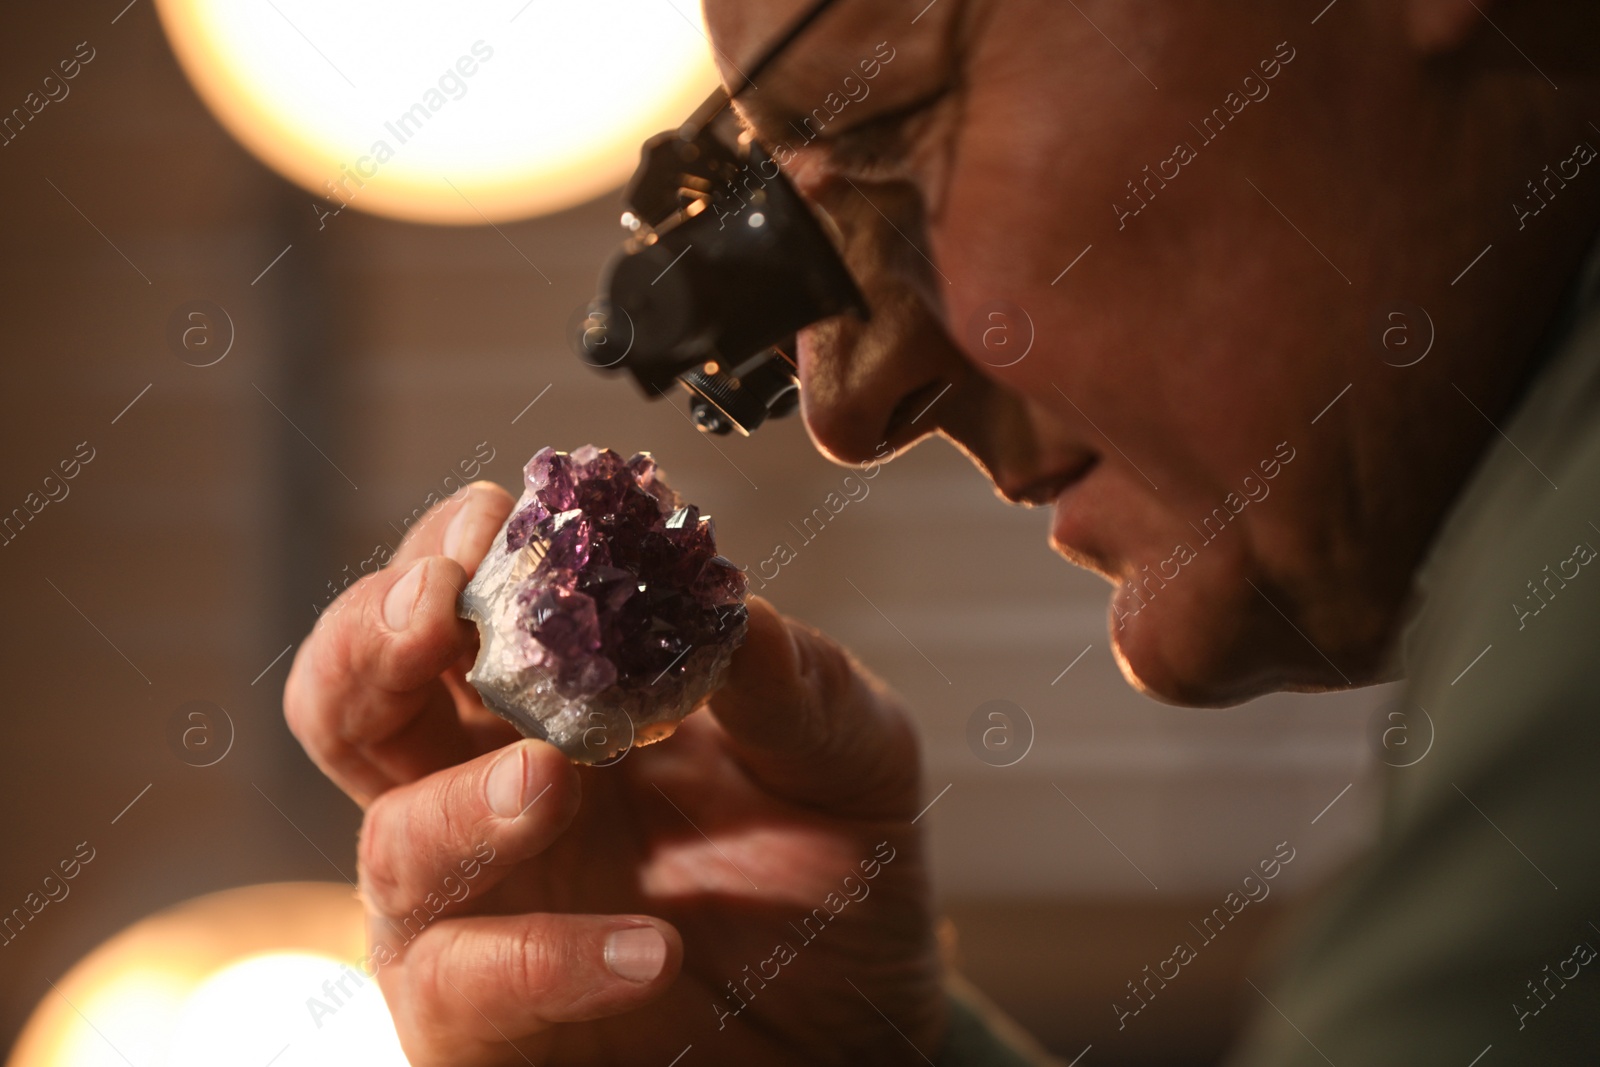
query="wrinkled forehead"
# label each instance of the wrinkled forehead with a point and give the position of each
(918, 35)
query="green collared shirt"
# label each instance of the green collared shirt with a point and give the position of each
(1472, 929)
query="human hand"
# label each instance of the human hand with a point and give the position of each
(752, 887)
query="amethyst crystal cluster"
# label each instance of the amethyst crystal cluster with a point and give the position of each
(604, 613)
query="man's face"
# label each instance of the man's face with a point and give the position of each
(1126, 256)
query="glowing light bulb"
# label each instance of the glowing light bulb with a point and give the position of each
(260, 974)
(290, 1009)
(448, 113)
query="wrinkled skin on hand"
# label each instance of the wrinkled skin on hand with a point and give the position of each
(778, 816)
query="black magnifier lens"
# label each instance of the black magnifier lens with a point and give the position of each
(715, 290)
(724, 264)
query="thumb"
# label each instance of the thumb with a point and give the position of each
(812, 725)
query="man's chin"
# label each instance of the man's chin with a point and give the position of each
(1189, 652)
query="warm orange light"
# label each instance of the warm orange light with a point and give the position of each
(448, 113)
(233, 977)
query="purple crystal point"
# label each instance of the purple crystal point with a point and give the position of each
(524, 525)
(604, 612)
(567, 624)
(720, 583)
(643, 467)
(571, 537)
(549, 477)
(609, 586)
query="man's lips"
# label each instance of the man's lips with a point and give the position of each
(1046, 490)
(1075, 531)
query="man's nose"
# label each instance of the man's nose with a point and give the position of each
(883, 381)
(886, 380)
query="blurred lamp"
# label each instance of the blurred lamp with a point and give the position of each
(445, 113)
(264, 974)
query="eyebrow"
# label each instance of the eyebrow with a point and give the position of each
(865, 137)
(781, 45)
(782, 116)
(792, 107)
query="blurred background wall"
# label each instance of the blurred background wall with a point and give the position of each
(369, 358)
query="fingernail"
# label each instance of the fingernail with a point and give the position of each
(508, 784)
(637, 953)
(402, 598)
(458, 526)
